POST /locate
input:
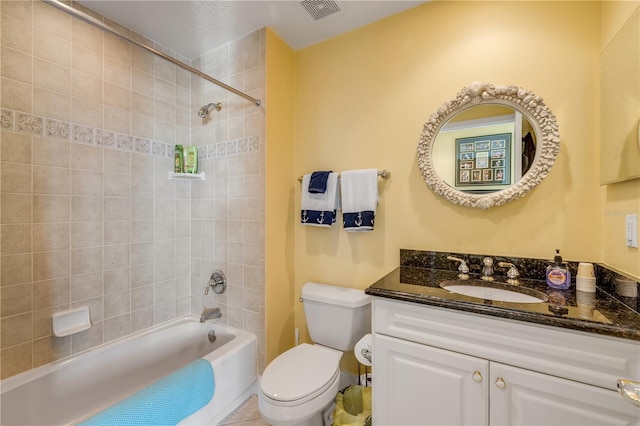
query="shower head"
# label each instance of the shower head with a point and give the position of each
(205, 110)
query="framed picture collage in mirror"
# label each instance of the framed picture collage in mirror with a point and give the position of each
(483, 161)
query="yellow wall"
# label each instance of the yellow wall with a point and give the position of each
(623, 198)
(362, 99)
(280, 185)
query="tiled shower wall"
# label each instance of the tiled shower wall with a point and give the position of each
(228, 206)
(87, 213)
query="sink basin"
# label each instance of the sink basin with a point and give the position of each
(490, 290)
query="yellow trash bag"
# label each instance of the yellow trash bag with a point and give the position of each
(353, 407)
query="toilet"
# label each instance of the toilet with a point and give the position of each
(300, 385)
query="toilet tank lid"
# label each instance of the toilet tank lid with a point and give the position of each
(341, 296)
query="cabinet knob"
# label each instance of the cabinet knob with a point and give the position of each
(477, 376)
(500, 383)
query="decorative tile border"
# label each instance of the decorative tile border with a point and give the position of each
(76, 133)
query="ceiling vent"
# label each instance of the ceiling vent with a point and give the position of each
(319, 9)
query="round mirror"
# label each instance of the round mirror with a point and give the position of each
(488, 146)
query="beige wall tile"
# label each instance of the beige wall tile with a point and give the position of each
(15, 147)
(95, 305)
(141, 253)
(86, 234)
(117, 185)
(18, 358)
(86, 87)
(142, 165)
(86, 286)
(165, 132)
(51, 236)
(116, 49)
(51, 180)
(51, 76)
(142, 82)
(116, 280)
(117, 327)
(51, 264)
(50, 152)
(16, 95)
(164, 312)
(141, 231)
(142, 60)
(165, 91)
(142, 104)
(86, 60)
(86, 209)
(86, 260)
(117, 208)
(117, 96)
(86, 112)
(51, 104)
(21, 10)
(17, 65)
(15, 208)
(141, 319)
(117, 120)
(16, 177)
(16, 239)
(16, 269)
(86, 183)
(50, 349)
(117, 73)
(117, 304)
(142, 274)
(142, 126)
(51, 208)
(86, 157)
(165, 70)
(165, 111)
(117, 161)
(117, 256)
(51, 293)
(87, 339)
(16, 34)
(87, 35)
(52, 48)
(16, 299)
(16, 330)
(52, 20)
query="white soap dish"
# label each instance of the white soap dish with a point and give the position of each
(69, 322)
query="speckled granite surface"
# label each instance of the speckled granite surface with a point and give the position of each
(605, 312)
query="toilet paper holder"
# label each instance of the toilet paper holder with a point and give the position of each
(365, 352)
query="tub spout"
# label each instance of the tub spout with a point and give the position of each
(210, 313)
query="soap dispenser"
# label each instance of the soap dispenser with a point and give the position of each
(558, 274)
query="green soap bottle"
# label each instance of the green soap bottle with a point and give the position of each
(178, 155)
(191, 165)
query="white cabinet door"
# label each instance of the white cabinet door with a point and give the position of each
(420, 385)
(523, 397)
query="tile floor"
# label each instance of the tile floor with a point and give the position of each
(245, 415)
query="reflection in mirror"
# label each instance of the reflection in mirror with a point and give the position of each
(477, 150)
(488, 146)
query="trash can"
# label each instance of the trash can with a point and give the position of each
(353, 406)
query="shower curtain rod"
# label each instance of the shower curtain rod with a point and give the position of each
(81, 15)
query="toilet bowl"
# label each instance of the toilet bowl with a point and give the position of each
(299, 385)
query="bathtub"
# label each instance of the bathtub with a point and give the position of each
(74, 389)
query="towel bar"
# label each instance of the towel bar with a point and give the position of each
(384, 174)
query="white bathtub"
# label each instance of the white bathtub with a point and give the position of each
(74, 389)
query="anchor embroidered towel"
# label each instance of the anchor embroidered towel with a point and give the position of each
(359, 199)
(319, 209)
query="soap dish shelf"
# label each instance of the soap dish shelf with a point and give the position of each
(69, 322)
(186, 176)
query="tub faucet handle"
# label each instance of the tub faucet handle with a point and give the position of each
(218, 282)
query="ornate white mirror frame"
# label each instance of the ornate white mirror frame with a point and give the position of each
(526, 102)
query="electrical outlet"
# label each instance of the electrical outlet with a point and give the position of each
(631, 227)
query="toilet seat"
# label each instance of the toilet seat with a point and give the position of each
(300, 374)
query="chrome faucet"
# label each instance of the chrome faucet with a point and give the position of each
(210, 313)
(487, 269)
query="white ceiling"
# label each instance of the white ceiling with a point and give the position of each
(192, 28)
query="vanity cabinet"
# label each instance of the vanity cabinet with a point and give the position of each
(437, 366)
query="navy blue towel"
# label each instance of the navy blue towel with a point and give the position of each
(318, 182)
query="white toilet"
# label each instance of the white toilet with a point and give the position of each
(300, 384)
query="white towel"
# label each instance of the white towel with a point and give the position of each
(320, 209)
(359, 199)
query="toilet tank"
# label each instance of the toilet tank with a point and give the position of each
(337, 317)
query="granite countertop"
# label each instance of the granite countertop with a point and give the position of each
(600, 312)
